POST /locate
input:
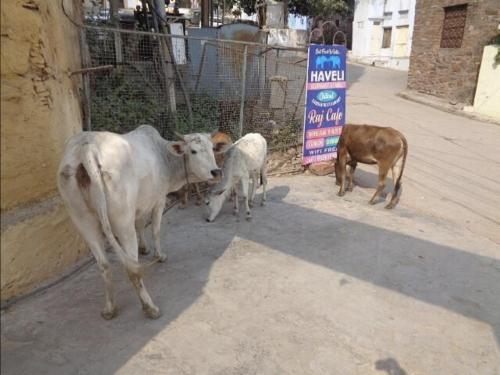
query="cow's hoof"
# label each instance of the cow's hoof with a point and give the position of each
(143, 250)
(162, 258)
(340, 194)
(390, 206)
(349, 188)
(263, 203)
(182, 206)
(108, 314)
(152, 312)
(372, 202)
(249, 217)
(198, 203)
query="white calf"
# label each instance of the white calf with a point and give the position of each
(244, 161)
(113, 183)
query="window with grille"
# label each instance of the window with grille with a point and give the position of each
(453, 26)
(386, 40)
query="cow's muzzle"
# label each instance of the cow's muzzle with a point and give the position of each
(216, 173)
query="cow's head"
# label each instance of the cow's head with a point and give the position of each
(198, 151)
(214, 200)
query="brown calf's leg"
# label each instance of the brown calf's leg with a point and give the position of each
(396, 171)
(383, 169)
(352, 168)
(342, 173)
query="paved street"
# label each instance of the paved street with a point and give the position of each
(315, 284)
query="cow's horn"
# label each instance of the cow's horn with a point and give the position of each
(179, 135)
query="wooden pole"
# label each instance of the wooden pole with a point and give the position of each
(86, 82)
(200, 68)
(167, 69)
(93, 69)
(243, 89)
(118, 49)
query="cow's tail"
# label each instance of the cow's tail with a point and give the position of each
(397, 185)
(95, 185)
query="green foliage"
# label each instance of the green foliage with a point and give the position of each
(287, 135)
(303, 7)
(496, 41)
(120, 104)
(319, 7)
(206, 115)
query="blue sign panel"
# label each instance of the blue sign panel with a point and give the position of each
(325, 102)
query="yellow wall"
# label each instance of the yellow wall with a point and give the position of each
(487, 99)
(40, 110)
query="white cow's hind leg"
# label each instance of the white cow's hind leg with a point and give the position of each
(157, 215)
(234, 193)
(245, 181)
(90, 228)
(140, 228)
(255, 181)
(125, 231)
(263, 174)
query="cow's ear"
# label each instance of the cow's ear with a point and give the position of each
(220, 147)
(177, 148)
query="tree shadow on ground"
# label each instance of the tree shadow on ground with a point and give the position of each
(390, 366)
(354, 73)
(68, 316)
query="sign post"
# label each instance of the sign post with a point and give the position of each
(325, 102)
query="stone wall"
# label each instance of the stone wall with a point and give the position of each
(40, 110)
(450, 73)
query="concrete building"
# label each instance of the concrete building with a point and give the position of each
(40, 110)
(382, 32)
(448, 44)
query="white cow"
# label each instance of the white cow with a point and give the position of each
(244, 161)
(113, 183)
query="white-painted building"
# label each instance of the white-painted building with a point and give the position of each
(382, 32)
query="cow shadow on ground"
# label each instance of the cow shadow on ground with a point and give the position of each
(369, 180)
(68, 316)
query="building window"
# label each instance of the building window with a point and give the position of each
(386, 40)
(453, 26)
(404, 5)
(387, 8)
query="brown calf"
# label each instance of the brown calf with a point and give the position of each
(221, 142)
(370, 144)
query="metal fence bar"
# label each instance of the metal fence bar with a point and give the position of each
(230, 41)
